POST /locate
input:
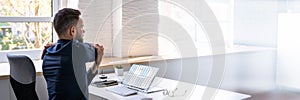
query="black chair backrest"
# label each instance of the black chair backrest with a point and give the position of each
(22, 77)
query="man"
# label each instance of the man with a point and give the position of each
(64, 62)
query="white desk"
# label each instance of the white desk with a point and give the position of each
(194, 92)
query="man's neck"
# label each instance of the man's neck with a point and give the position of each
(68, 38)
(62, 38)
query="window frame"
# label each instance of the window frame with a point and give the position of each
(32, 53)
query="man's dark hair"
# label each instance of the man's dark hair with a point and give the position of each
(64, 19)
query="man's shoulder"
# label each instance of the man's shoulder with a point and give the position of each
(81, 44)
(83, 48)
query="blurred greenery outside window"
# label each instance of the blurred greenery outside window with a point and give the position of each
(25, 24)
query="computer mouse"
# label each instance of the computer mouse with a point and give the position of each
(146, 98)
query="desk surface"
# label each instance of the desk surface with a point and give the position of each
(194, 92)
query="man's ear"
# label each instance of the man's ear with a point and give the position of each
(72, 31)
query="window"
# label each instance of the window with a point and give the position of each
(25, 26)
(184, 16)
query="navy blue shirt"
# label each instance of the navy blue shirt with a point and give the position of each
(65, 71)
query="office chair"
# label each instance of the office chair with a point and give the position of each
(22, 77)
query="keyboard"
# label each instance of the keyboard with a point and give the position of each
(121, 90)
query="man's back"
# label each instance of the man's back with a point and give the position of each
(64, 70)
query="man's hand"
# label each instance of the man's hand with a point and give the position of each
(45, 49)
(100, 52)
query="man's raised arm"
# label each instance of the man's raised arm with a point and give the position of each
(93, 70)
